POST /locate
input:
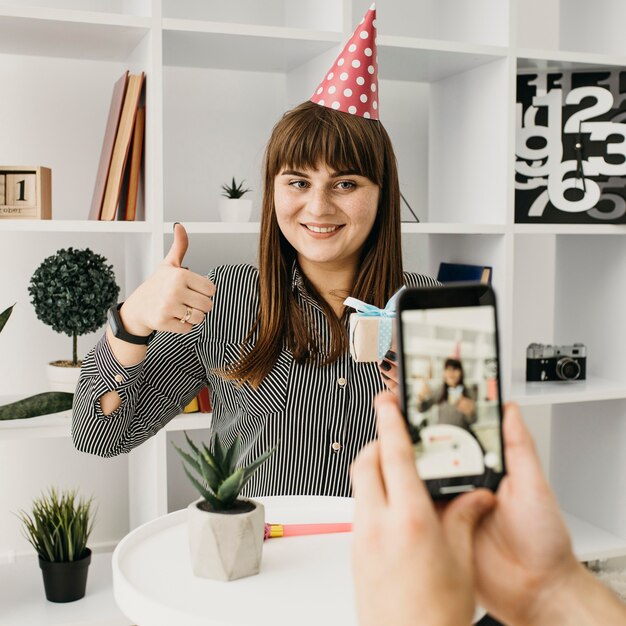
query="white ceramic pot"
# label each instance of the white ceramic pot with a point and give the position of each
(62, 378)
(226, 546)
(235, 210)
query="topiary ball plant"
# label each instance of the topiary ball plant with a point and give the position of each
(72, 291)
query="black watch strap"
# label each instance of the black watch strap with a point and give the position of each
(115, 322)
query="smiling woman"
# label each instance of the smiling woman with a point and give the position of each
(271, 343)
(324, 169)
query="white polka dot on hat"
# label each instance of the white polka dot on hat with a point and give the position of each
(353, 78)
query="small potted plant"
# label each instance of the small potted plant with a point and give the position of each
(59, 530)
(40, 404)
(72, 291)
(225, 531)
(235, 208)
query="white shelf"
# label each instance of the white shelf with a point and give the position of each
(73, 226)
(592, 543)
(570, 229)
(41, 13)
(531, 59)
(444, 228)
(72, 34)
(24, 602)
(215, 228)
(59, 425)
(192, 43)
(219, 45)
(189, 421)
(430, 60)
(41, 427)
(545, 393)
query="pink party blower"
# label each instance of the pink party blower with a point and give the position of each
(294, 530)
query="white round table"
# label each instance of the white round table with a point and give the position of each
(303, 580)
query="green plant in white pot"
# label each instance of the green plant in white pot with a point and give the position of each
(72, 291)
(59, 530)
(225, 531)
(39, 404)
(235, 208)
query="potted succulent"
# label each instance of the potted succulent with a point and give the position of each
(40, 404)
(235, 208)
(72, 291)
(59, 530)
(225, 531)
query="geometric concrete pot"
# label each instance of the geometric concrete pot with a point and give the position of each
(226, 545)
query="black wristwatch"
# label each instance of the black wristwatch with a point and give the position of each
(120, 332)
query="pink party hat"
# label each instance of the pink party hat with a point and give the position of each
(456, 353)
(351, 84)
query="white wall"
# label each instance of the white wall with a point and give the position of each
(29, 467)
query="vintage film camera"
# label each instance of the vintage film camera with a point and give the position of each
(546, 362)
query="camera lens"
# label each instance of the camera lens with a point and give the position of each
(567, 369)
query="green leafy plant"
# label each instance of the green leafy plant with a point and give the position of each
(72, 291)
(218, 479)
(60, 526)
(4, 316)
(234, 190)
(40, 404)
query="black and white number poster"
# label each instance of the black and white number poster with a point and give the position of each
(570, 164)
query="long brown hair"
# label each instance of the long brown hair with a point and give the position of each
(305, 137)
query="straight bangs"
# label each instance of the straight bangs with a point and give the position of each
(310, 135)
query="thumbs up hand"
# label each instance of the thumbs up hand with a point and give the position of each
(173, 299)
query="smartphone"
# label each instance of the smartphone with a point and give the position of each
(449, 369)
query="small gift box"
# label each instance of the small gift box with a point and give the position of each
(371, 329)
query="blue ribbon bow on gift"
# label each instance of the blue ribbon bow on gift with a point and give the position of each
(388, 313)
(373, 311)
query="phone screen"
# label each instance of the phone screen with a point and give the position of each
(450, 385)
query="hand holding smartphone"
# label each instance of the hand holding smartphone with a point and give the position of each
(455, 418)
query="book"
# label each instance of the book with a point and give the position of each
(121, 147)
(204, 401)
(462, 272)
(115, 110)
(193, 406)
(134, 169)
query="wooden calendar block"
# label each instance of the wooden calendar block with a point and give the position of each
(25, 193)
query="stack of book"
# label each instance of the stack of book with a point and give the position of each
(462, 272)
(201, 403)
(116, 190)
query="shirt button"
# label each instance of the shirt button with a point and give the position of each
(336, 446)
(341, 382)
(118, 378)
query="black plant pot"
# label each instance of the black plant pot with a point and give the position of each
(65, 582)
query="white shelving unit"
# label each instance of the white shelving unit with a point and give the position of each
(219, 75)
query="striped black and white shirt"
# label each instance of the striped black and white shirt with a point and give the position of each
(322, 416)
